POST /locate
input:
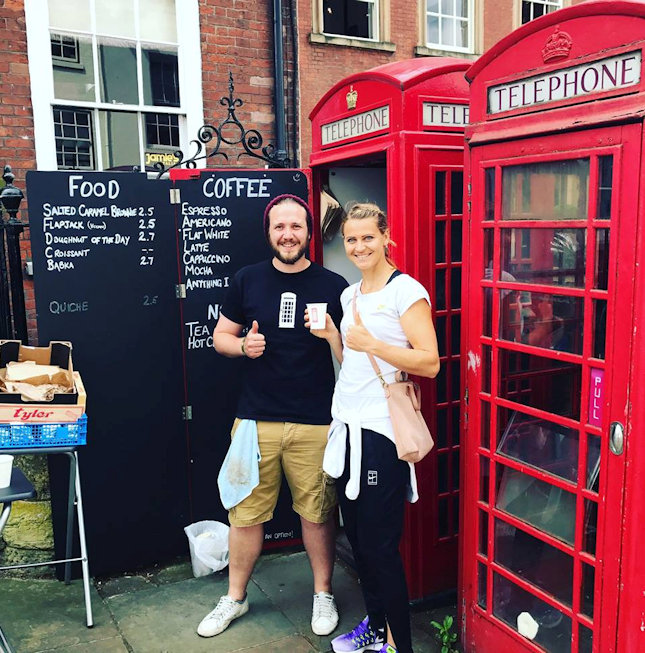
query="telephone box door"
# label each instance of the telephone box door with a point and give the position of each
(550, 289)
(439, 235)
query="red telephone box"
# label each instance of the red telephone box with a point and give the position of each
(552, 508)
(394, 135)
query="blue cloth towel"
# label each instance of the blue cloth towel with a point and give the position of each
(240, 471)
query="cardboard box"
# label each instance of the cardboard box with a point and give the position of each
(64, 407)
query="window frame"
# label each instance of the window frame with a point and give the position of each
(190, 111)
(382, 20)
(375, 26)
(518, 9)
(431, 48)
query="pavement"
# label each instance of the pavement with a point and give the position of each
(157, 611)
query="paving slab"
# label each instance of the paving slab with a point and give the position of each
(165, 618)
(40, 615)
(112, 645)
(293, 644)
(288, 583)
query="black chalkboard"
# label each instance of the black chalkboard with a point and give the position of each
(220, 227)
(112, 255)
(105, 271)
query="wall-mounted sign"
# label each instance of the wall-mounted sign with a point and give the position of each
(621, 71)
(359, 125)
(436, 114)
(166, 158)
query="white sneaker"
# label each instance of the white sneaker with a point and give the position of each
(219, 619)
(324, 616)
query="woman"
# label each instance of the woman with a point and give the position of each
(394, 324)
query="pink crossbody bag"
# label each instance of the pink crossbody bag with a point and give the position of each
(411, 433)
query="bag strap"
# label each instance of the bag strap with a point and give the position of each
(377, 369)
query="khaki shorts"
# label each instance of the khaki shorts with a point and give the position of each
(296, 449)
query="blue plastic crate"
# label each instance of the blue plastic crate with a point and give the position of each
(24, 436)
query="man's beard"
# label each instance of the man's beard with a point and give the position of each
(294, 258)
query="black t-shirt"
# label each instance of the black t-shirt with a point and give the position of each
(293, 380)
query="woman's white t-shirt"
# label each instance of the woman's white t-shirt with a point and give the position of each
(358, 390)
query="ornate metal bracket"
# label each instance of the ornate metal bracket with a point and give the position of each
(250, 139)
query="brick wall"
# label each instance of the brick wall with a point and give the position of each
(322, 65)
(237, 36)
(16, 118)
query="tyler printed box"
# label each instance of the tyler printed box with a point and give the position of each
(38, 384)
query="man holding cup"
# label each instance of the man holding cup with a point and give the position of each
(287, 395)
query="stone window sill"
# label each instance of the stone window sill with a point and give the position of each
(351, 43)
(424, 51)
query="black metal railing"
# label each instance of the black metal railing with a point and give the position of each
(229, 132)
(13, 316)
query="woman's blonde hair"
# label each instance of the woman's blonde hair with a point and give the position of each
(364, 211)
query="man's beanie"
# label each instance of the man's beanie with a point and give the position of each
(294, 198)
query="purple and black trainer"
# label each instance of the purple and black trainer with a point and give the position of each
(362, 638)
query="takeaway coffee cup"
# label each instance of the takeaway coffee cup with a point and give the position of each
(317, 315)
(6, 462)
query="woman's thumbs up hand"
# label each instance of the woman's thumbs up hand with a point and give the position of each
(358, 337)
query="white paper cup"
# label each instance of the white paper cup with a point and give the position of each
(6, 463)
(317, 315)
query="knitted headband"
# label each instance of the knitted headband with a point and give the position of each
(294, 198)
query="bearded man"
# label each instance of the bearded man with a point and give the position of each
(287, 395)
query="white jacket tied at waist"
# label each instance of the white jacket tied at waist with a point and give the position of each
(334, 459)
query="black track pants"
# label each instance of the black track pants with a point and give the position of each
(374, 524)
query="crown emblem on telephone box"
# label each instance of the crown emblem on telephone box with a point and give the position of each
(557, 46)
(352, 98)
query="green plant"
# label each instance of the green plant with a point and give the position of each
(445, 636)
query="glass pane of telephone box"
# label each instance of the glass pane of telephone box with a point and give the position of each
(538, 442)
(585, 639)
(590, 527)
(543, 383)
(602, 259)
(587, 590)
(483, 532)
(554, 190)
(440, 241)
(456, 434)
(457, 193)
(455, 240)
(547, 507)
(440, 194)
(542, 320)
(485, 424)
(489, 188)
(510, 601)
(481, 584)
(554, 257)
(440, 328)
(484, 477)
(605, 174)
(455, 334)
(535, 561)
(442, 428)
(440, 290)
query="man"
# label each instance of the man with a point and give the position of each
(287, 393)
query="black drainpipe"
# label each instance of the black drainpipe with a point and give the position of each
(278, 60)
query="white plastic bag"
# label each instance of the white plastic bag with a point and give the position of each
(208, 542)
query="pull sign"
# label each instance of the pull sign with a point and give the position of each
(596, 396)
(616, 438)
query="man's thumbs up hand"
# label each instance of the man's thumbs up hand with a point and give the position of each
(254, 342)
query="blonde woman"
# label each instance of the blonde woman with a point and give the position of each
(394, 324)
